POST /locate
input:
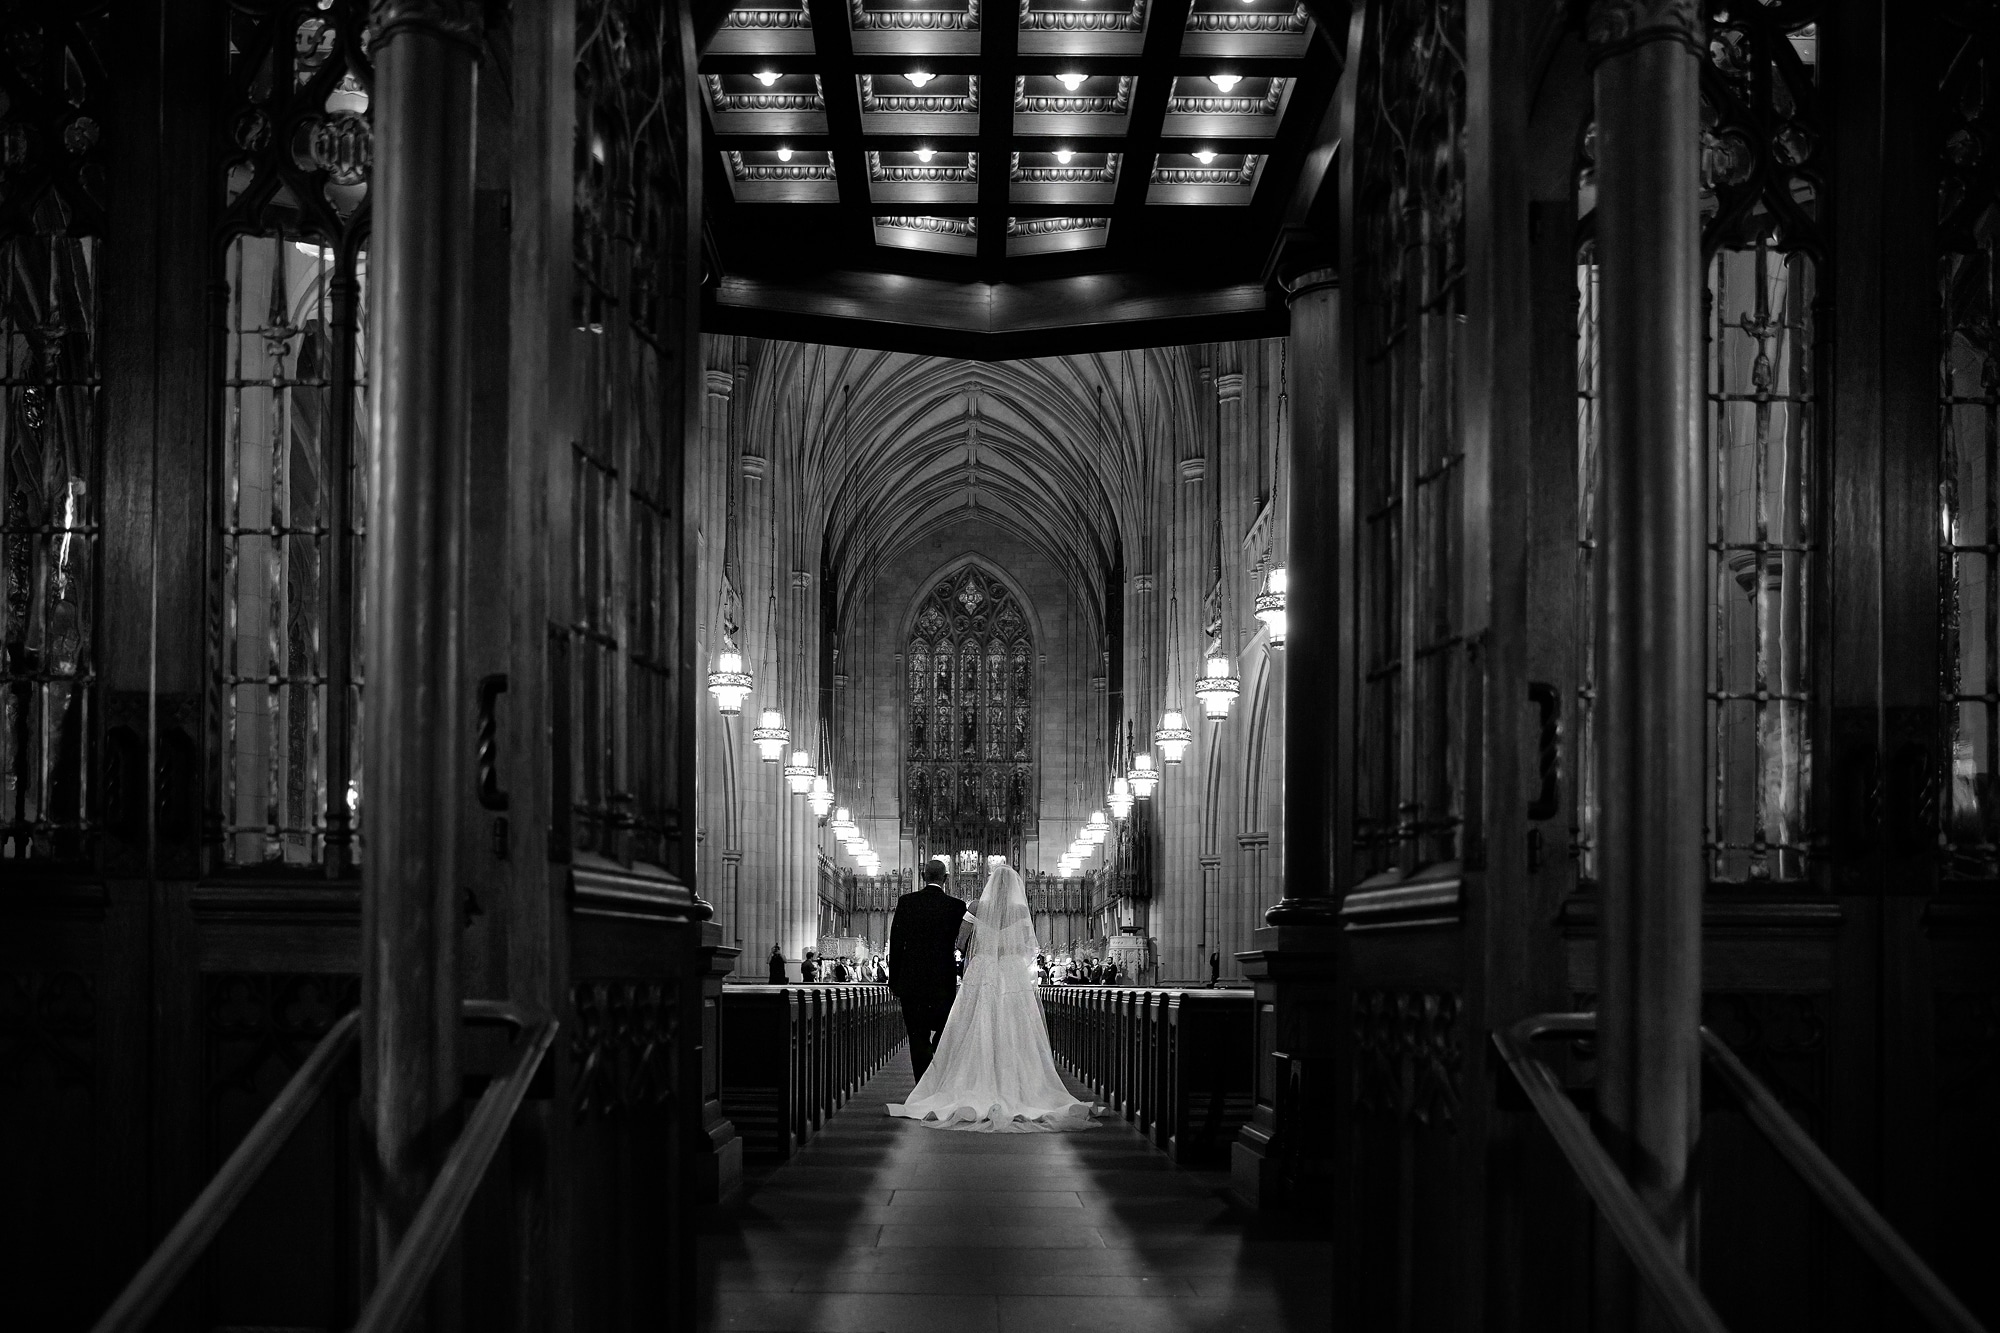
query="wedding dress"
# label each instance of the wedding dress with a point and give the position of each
(993, 1072)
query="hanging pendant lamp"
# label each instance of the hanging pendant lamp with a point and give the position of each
(729, 682)
(1143, 776)
(1217, 689)
(799, 774)
(770, 734)
(1120, 799)
(1271, 605)
(819, 795)
(1173, 736)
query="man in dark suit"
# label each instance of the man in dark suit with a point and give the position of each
(922, 973)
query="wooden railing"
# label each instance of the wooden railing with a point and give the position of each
(1662, 1272)
(1181, 1065)
(793, 1055)
(190, 1238)
(436, 1224)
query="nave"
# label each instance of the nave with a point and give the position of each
(884, 1226)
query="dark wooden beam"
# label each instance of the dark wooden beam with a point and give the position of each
(995, 321)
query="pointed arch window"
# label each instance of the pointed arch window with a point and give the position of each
(969, 751)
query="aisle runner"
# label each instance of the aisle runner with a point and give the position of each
(882, 1226)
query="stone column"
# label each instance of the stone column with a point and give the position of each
(1652, 640)
(1291, 961)
(426, 67)
(1230, 464)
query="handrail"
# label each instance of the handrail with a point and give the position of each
(1663, 1273)
(1870, 1230)
(424, 1245)
(183, 1247)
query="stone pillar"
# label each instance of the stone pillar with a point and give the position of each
(413, 772)
(1652, 488)
(1230, 464)
(722, 760)
(1291, 961)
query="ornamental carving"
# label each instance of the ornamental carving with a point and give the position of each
(768, 20)
(1263, 23)
(1204, 105)
(875, 99)
(1408, 1056)
(778, 171)
(1082, 20)
(1624, 23)
(908, 174)
(1053, 226)
(1118, 103)
(720, 99)
(1242, 175)
(936, 225)
(623, 1036)
(1103, 175)
(458, 20)
(914, 20)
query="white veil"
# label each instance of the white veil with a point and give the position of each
(1002, 926)
(993, 1070)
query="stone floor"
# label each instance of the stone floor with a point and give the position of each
(883, 1226)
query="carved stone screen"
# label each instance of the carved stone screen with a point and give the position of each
(968, 724)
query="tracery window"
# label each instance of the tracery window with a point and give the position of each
(1409, 304)
(969, 742)
(51, 433)
(1969, 463)
(630, 204)
(291, 501)
(1761, 131)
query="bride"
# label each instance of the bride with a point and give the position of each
(993, 1071)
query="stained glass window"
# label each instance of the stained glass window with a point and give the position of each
(630, 205)
(51, 429)
(1969, 459)
(1409, 292)
(1760, 134)
(51, 448)
(968, 748)
(291, 500)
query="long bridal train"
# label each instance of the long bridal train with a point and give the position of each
(993, 1072)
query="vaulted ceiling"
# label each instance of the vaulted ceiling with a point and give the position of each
(1069, 452)
(993, 181)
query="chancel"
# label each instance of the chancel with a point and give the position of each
(914, 664)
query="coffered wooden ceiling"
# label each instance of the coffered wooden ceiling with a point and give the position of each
(994, 180)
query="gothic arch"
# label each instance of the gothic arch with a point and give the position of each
(969, 649)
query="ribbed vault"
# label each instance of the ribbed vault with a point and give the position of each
(1067, 451)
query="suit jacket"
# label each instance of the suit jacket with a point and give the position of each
(921, 939)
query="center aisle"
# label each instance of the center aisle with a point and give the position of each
(883, 1226)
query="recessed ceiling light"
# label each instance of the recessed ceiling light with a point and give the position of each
(926, 154)
(920, 77)
(1225, 81)
(1063, 155)
(767, 77)
(1204, 155)
(1071, 81)
(784, 154)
